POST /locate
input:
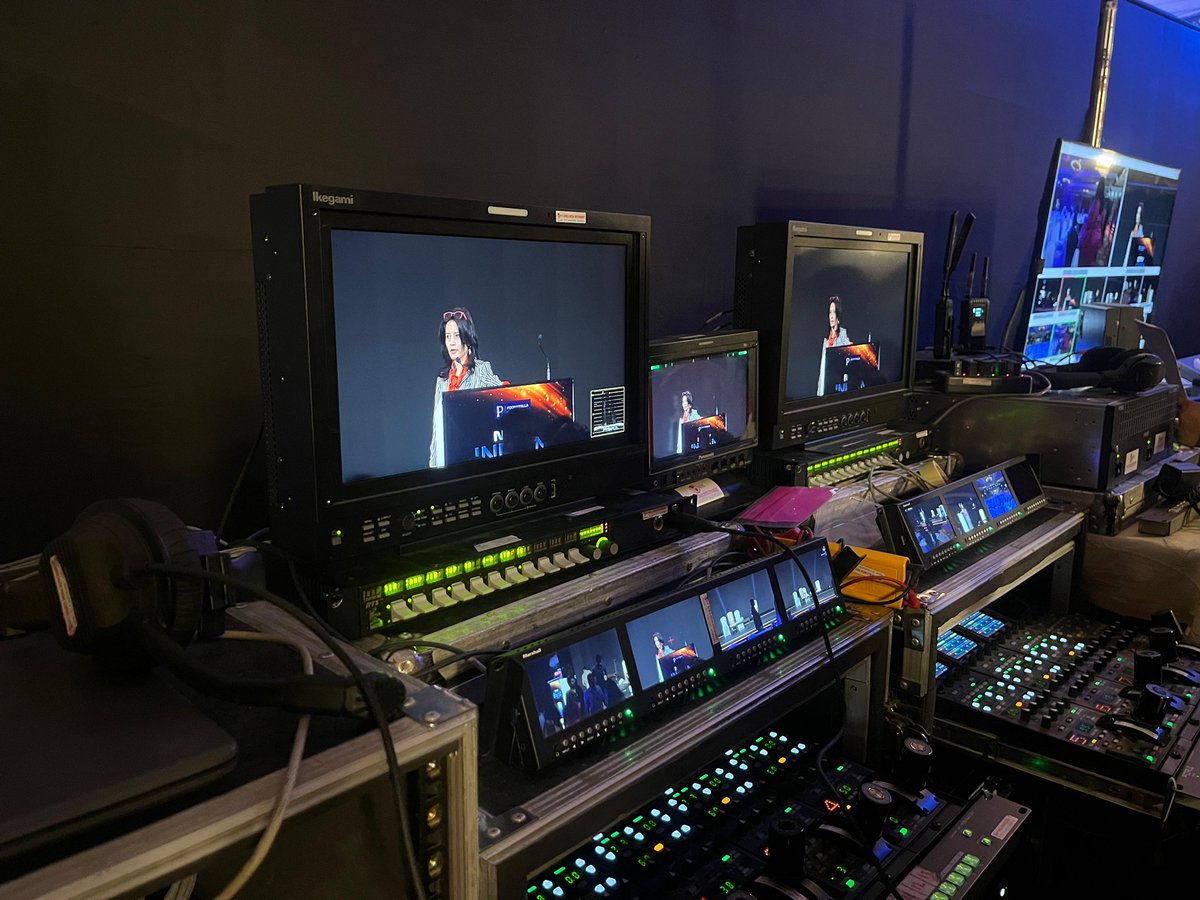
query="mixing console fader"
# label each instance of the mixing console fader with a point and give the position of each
(760, 823)
(1104, 697)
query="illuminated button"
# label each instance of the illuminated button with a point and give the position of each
(610, 882)
(948, 888)
(580, 863)
(547, 884)
(530, 570)
(591, 870)
(496, 580)
(480, 587)
(558, 892)
(560, 560)
(459, 591)
(963, 870)
(612, 857)
(956, 878)
(970, 860)
(400, 611)
(546, 566)
(938, 895)
(575, 556)
(512, 576)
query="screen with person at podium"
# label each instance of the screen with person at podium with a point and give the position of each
(698, 406)
(669, 641)
(740, 610)
(465, 351)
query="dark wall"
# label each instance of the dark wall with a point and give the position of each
(133, 134)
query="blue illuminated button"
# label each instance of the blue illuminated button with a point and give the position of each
(558, 892)
(610, 882)
(686, 829)
(676, 834)
(580, 863)
(547, 884)
(612, 857)
(591, 870)
(628, 829)
(639, 837)
(600, 890)
(599, 850)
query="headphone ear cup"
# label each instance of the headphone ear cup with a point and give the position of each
(94, 607)
(1099, 359)
(180, 601)
(1139, 371)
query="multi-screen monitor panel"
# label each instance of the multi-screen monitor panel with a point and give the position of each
(586, 676)
(847, 329)
(699, 406)
(939, 519)
(1102, 238)
(463, 349)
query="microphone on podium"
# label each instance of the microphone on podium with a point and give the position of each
(545, 354)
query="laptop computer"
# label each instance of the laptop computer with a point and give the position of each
(84, 745)
(1156, 341)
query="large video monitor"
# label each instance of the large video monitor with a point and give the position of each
(1102, 238)
(703, 404)
(835, 308)
(431, 365)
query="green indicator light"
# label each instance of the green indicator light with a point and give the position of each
(433, 575)
(560, 870)
(469, 565)
(903, 831)
(522, 551)
(841, 768)
(532, 888)
(614, 834)
(489, 559)
(1149, 758)
(787, 809)
(850, 882)
(1038, 763)
(392, 587)
(712, 672)
(338, 533)
(1170, 724)
(743, 352)
(453, 571)
(413, 581)
(726, 858)
(591, 531)
(508, 555)
(655, 368)
(638, 819)
(628, 713)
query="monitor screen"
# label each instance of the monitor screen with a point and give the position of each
(967, 511)
(740, 610)
(929, 522)
(669, 641)
(463, 350)
(997, 497)
(431, 365)
(847, 320)
(577, 683)
(702, 397)
(797, 598)
(836, 311)
(1102, 239)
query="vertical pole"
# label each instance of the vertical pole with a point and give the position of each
(1101, 70)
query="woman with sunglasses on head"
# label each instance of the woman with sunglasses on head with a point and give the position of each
(462, 371)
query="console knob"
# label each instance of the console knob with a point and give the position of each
(540, 493)
(912, 768)
(871, 808)
(526, 495)
(1147, 668)
(1152, 705)
(1164, 641)
(785, 851)
(512, 499)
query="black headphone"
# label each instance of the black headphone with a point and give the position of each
(92, 591)
(1124, 370)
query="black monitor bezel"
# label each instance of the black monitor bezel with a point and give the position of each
(313, 511)
(687, 347)
(799, 421)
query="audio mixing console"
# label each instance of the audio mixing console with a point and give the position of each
(1108, 698)
(760, 822)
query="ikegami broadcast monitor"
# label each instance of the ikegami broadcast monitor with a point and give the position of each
(836, 310)
(431, 365)
(1102, 239)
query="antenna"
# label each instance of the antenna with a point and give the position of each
(943, 335)
(983, 287)
(971, 277)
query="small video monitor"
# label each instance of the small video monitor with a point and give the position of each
(929, 522)
(703, 395)
(669, 642)
(797, 598)
(574, 684)
(740, 610)
(965, 509)
(997, 496)
(939, 669)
